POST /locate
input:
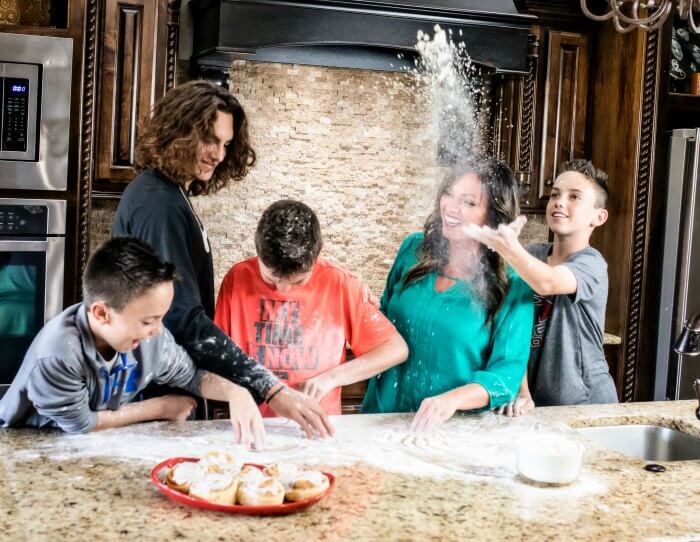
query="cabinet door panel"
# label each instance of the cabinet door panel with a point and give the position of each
(132, 79)
(565, 104)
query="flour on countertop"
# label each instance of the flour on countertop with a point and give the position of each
(469, 447)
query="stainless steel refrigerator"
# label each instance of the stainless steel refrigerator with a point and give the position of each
(680, 280)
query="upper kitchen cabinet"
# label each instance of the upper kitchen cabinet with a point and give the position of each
(42, 14)
(563, 131)
(137, 48)
(540, 118)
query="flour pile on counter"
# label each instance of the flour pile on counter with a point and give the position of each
(468, 447)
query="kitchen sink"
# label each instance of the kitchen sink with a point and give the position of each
(650, 442)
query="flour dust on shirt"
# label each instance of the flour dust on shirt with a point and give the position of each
(279, 339)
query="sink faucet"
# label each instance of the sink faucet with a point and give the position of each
(687, 341)
(687, 344)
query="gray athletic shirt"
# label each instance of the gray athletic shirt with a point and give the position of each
(569, 367)
(64, 381)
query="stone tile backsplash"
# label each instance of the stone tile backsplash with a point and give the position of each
(352, 144)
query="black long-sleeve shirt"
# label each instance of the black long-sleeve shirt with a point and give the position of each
(158, 211)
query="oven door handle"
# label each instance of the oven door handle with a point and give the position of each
(55, 269)
(26, 246)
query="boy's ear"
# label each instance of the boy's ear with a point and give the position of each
(100, 311)
(600, 217)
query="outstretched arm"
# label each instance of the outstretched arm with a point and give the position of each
(543, 278)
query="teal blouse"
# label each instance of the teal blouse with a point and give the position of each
(449, 343)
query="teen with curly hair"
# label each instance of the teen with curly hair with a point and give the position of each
(195, 142)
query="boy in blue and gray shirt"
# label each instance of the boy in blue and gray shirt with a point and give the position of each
(567, 365)
(86, 366)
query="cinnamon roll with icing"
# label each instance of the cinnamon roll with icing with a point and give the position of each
(306, 485)
(183, 475)
(219, 488)
(265, 492)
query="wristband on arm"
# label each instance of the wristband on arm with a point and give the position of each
(267, 401)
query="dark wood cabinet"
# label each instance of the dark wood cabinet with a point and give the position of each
(132, 76)
(540, 118)
(137, 48)
(563, 131)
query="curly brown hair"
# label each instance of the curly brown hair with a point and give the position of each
(182, 119)
(501, 189)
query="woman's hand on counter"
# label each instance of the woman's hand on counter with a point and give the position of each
(302, 409)
(433, 411)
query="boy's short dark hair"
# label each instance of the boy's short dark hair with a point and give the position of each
(288, 237)
(597, 176)
(122, 269)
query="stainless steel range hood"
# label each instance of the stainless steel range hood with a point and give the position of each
(373, 34)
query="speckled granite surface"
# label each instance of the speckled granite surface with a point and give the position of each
(96, 487)
(609, 338)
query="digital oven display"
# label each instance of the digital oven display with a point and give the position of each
(15, 114)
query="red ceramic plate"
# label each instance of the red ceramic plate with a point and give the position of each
(273, 510)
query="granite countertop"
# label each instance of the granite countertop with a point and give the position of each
(457, 484)
(609, 338)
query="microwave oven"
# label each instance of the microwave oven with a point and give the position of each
(35, 98)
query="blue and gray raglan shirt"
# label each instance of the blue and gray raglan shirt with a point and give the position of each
(64, 381)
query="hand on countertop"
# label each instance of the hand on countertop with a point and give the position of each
(433, 411)
(302, 409)
(176, 408)
(246, 419)
(522, 404)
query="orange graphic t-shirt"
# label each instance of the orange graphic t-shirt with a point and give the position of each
(304, 332)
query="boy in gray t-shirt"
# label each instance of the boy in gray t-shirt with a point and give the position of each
(86, 366)
(567, 365)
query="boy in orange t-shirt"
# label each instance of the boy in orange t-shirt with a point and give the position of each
(295, 313)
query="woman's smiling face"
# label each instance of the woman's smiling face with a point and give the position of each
(463, 202)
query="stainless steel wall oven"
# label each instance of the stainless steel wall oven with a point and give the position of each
(32, 247)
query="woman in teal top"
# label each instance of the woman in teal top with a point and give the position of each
(465, 316)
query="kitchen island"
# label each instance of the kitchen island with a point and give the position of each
(459, 483)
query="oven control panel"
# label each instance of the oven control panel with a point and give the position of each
(23, 220)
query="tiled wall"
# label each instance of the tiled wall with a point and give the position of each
(352, 144)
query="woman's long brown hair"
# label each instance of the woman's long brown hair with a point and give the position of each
(182, 119)
(501, 191)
